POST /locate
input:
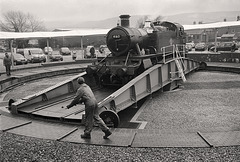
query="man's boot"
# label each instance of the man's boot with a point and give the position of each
(107, 133)
(86, 135)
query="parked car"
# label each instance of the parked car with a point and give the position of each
(47, 50)
(210, 45)
(74, 54)
(90, 52)
(65, 51)
(191, 43)
(104, 51)
(33, 54)
(2, 49)
(189, 46)
(20, 51)
(200, 47)
(19, 59)
(224, 46)
(55, 56)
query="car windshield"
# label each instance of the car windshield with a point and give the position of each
(18, 56)
(36, 51)
(55, 53)
(228, 44)
(221, 45)
(65, 50)
(49, 48)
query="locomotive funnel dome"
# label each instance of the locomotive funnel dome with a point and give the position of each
(125, 20)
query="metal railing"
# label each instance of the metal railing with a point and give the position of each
(170, 52)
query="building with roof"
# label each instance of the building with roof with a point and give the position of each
(219, 31)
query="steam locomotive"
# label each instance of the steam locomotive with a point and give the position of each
(133, 50)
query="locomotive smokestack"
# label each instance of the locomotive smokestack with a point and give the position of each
(124, 20)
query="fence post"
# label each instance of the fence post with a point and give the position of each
(164, 55)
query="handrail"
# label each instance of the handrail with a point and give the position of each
(171, 53)
(183, 51)
(168, 53)
(178, 54)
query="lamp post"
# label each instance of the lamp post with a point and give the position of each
(48, 60)
(82, 51)
(216, 33)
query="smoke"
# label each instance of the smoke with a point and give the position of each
(141, 21)
(158, 18)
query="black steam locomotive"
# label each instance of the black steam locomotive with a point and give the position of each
(133, 50)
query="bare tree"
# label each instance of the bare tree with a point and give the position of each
(35, 24)
(17, 21)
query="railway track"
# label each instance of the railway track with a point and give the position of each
(31, 127)
(160, 76)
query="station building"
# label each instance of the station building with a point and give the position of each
(219, 31)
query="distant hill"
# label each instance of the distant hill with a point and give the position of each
(185, 19)
(209, 17)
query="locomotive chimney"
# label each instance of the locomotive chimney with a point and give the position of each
(124, 20)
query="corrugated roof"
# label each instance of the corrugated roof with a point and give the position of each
(80, 32)
(194, 32)
(212, 25)
(86, 32)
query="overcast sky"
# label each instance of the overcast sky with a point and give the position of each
(82, 10)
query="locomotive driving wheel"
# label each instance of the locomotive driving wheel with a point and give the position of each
(110, 118)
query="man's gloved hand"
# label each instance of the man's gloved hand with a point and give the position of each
(65, 107)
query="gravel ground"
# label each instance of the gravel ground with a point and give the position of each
(21, 148)
(206, 100)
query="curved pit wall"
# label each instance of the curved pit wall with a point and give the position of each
(161, 77)
(61, 89)
(25, 77)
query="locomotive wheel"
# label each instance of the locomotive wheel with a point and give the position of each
(110, 117)
(203, 65)
(10, 102)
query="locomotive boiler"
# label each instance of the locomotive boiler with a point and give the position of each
(133, 50)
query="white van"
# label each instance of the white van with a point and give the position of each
(33, 54)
